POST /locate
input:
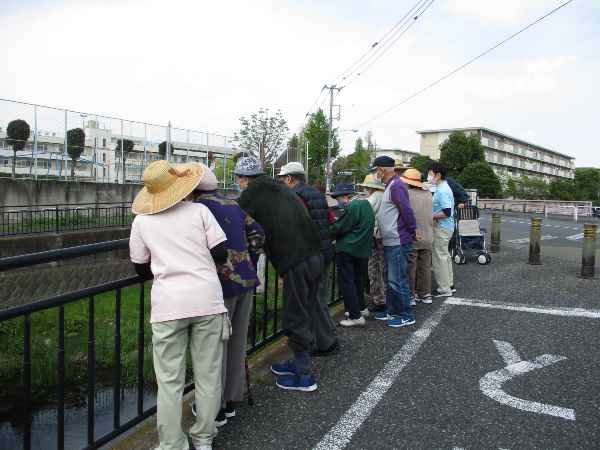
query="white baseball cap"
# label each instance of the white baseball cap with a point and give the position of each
(291, 168)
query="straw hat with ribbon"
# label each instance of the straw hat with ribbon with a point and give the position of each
(413, 177)
(372, 183)
(165, 185)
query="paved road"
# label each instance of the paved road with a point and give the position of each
(511, 363)
(556, 232)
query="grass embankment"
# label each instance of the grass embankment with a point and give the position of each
(67, 220)
(44, 344)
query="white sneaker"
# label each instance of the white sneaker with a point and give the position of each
(443, 293)
(360, 322)
(426, 299)
(413, 301)
(365, 313)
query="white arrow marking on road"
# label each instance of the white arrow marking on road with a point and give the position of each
(491, 383)
(575, 237)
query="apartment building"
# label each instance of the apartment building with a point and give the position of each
(510, 157)
(399, 155)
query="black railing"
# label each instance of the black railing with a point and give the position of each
(17, 220)
(72, 349)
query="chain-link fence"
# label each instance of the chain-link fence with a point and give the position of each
(43, 142)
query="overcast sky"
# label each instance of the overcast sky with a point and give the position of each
(203, 64)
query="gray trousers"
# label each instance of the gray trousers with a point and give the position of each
(234, 353)
(205, 336)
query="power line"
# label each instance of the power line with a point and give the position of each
(374, 57)
(462, 66)
(377, 49)
(376, 45)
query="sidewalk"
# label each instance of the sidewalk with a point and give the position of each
(434, 398)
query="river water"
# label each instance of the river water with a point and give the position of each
(44, 422)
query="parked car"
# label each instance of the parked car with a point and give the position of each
(596, 211)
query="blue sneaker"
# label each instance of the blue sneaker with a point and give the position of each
(304, 383)
(383, 315)
(397, 322)
(284, 368)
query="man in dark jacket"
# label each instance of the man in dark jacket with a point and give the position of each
(293, 175)
(293, 246)
(458, 191)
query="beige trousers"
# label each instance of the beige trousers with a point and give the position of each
(205, 336)
(442, 261)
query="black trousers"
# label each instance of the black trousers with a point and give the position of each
(351, 279)
(300, 290)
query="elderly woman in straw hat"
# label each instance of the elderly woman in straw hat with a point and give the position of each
(377, 269)
(180, 243)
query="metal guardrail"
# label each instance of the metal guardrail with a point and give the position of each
(20, 220)
(566, 208)
(265, 326)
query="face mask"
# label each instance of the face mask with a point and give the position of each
(236, 187)
(377, 177)
(430, 179)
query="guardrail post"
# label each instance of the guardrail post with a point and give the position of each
(496, 221)
(588, 255)
(535, 238)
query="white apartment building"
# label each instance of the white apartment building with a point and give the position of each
(99, 161)
(509, 157)
(401, 156)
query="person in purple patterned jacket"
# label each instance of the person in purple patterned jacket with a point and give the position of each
(238, 280)
(397, 227)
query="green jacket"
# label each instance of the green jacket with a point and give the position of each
(354, 229)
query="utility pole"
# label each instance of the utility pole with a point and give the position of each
(331, 88)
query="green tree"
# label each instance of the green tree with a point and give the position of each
(587, 184)
(512, 189)
(263, 134)
(421, 163)
(162, 149)
(358, 163)
(75, 146)
(460, 150)
(17, 134)
(316, 133)
(562, 190)
(480, 175)
(126, 147)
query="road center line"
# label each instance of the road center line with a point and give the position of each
(341, 433)
(539, 309)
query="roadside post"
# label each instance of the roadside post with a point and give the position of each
(496, 222)
(535, 238)
(588, 254)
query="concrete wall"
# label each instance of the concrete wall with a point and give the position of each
(30, 192)
(33, 243)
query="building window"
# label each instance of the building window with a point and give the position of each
(104, 142)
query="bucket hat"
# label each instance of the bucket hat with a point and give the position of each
(209, 181)
(371, 182)
(413, 177)
(343, 189)
(248, 166)
(291, 168)
(165, 185)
